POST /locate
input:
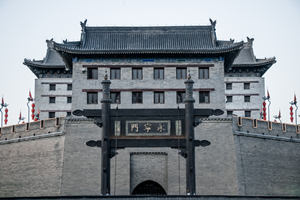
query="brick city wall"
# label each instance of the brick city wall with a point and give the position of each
(240, 160)
(31, 161)
(267, 156)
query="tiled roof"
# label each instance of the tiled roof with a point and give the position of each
(246, 57)
(168, 39)
(52, 60)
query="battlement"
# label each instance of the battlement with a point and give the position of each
(265, 129)
(37, 128)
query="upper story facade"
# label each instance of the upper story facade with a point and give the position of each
(147, 67)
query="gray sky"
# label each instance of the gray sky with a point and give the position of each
(25, 25)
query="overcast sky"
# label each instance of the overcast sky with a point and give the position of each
(26, 24)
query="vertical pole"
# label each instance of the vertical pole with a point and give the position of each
(1, 117)
(190, 137)
(105, 157)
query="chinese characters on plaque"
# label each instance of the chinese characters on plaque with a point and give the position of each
(146, 128)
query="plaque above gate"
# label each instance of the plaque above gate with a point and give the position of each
(147, 128)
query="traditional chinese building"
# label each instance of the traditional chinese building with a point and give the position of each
(147, 64)
(151, 114)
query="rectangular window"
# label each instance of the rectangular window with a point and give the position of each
(159, 97)
(115, 73)
(51, 99)
(69, 87)
(137, 97)
(52, 87)
(92, 98)
(203, 97)
(246, 98)
(228, 86)
(158, 73)
(68, 114)
(92, 73)
(246, 86)
(229, 113)
(247, 113)
(180, 73)
(115, 97)
(180, 97)
(51, 115)
(203, 73)
(137, 73)
(229, 99)
(69, 99)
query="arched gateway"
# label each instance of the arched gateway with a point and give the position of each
(149, 188)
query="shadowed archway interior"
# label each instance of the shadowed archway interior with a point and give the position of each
(149, 188)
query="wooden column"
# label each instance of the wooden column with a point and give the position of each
(105, 153)
(190, 137)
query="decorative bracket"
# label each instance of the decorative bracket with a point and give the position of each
(98, 122)
(113, 153)
(197, 122)
(183, 153)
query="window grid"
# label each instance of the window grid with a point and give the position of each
(69, 87)
(137, 73)
(203, 73)
(115, 97)
(51, 99)
(92, 73)
(228, 86)
(92, 98)
(229, 99)
(51, 114)
(247, 113)
(137, 97)
(180, 73)
(203, 97)
(115, 73)
(159, 97)
(246, 86)
(69, 99)
(158, 73)
(180, 97)
(52, 87)
(229, 113)
(246, 98)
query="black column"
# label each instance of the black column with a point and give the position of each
(105, 157)
(190, 137)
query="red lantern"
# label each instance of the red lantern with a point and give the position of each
(6, 115)
(32, 111)
(291, 113)
(264, 110)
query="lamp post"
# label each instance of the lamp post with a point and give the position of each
(3, 105)
(20, 118)
(29, 100)
(267, 98)
(278, 116)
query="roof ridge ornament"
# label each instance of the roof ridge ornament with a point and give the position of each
(250, 41)
(83, 25)
(50, 43)
(213, 23)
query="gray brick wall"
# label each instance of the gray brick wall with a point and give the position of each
(216, 164)
(81, 167)
(32, 168)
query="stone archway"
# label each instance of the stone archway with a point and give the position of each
(149, 188)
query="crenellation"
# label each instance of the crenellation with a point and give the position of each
(50, 126)
(265, 127)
